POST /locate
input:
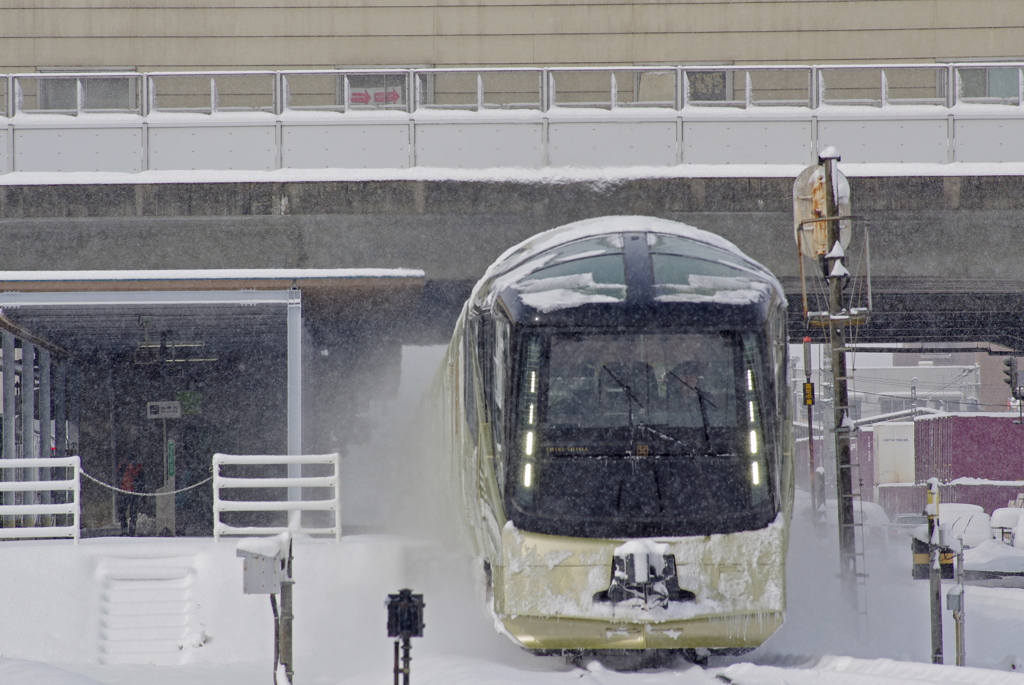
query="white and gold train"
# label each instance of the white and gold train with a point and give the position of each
(612, 416)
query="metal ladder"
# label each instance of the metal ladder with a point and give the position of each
(859, 555)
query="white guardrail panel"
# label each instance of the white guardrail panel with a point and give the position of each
(78, 148)
(216, 146)
(365, 144)
(884, 140)
(35, 488)
(735, 141)
(480, 145)
(988, 139)
(612, 143)
(331, 504)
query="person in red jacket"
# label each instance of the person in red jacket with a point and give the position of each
(128, 504)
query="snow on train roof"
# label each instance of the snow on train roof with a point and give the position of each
(556, 269)
(603, 225)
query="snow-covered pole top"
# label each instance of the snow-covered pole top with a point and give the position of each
(828, 153)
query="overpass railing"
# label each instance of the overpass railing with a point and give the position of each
(267, 497)
(501, 117)
(540, 89)
(40, 508)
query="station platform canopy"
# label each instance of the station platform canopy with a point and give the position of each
(229, 345)
(72, 310)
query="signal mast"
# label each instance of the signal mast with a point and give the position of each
(1013, 380)
(822, 225)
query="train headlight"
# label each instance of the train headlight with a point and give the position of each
(755, 473)
(528, 475)
(753, 442)
(529, 443)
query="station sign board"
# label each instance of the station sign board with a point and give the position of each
(163, 410)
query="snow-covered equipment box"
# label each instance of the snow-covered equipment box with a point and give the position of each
(263, 564)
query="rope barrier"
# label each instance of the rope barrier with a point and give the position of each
(144, 494)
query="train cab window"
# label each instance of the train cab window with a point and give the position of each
(601, 246)
(629, 435)
(499, 393)
(662, 244)
(622, 381)
(606, 269)
(592, 279)
(584, 271)
(692, 272)
(686, 279)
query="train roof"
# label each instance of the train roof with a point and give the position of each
(609, 264)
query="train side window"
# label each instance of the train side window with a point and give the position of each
(469, 376)
(482, 332)
(499, 403)
(779, 335)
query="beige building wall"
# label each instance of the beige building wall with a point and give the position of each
(153, 35)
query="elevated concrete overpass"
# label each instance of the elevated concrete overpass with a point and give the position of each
(946, 257)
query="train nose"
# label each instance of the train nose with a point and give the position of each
(644, 576)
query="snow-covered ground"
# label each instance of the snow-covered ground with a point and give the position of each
(80, 615)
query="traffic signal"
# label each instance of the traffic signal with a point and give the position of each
(1011, 376)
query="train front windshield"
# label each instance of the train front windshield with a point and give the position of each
(635, 435)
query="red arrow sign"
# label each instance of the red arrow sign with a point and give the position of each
(389, 97)
(360, 98)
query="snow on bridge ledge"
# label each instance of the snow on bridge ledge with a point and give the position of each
(323, 291)
(597, 176)
(208, 278)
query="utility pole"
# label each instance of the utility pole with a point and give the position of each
(808, 395)
(956, 598)
(837, 276)
(821, 216)
(934, 569)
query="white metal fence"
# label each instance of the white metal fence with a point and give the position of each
(33, 516)
(294, 501)
(511, 117)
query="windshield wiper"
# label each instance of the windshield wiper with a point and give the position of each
(700, 393)
(702, 399)
(664, 436)
(629, 390)
(630, 395)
